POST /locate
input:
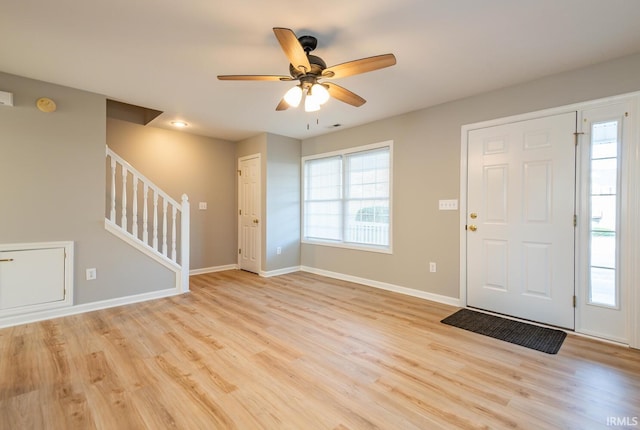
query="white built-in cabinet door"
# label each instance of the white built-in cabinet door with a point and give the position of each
(31, 277)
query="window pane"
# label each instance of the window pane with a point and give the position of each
(604, 140)
(323, 220)
(323, 178)
(603, 286)
(603, 250)
(367, 222)
(368, 174)
(604, 209)
(367, 194)
(604, 176)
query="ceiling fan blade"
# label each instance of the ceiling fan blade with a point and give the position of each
(344, 95)
(362, 65)
(254, 78)
(283, 105)
(292, 49)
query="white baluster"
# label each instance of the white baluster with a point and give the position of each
(173, 233)
(134, 221)
(164, 226)
(145, 215)
(124, 198)
(155, 220)
(184, 243)
(113, 190)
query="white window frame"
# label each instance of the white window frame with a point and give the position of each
(343, 153)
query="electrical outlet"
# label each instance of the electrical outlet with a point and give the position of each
(278, 250)
(91, 274)
(432, 267)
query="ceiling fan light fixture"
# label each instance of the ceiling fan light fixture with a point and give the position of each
(311, 104)
(319, 93)
(293, 96)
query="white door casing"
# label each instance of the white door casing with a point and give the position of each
(249, 213)
(520, 186)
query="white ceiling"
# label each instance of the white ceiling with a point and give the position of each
(165, 54)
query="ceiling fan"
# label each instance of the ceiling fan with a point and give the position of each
(309, 69)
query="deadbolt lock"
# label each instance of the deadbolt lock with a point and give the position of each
(473, 215)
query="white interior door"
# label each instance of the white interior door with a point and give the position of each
(249, 225)
(520, 230)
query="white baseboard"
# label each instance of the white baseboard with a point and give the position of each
(212, 269)
(385, 286)
(88, 307)
(278, 272)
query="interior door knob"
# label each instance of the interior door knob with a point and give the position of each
(473, 227)
(255, 221)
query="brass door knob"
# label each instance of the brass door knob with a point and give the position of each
(255, 221)
(473, 227)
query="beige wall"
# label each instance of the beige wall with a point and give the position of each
(283, 203)
(427, 168)
(201, 167)
(53, 186)
(280, 176)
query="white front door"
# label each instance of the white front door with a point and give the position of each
(520, 228)
(249, 210)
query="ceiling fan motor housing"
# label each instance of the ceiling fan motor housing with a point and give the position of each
(317, 66)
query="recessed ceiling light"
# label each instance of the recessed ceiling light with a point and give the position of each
(179, 124)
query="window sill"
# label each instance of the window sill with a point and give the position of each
(370, 248)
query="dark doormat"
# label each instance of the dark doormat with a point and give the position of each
(531, 336)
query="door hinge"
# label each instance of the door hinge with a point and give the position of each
(240, 211)
(575, 135)
(239, 251)
(575, 301)
(239, 172)
(575, 220)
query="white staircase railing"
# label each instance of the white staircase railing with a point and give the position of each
(160, 229)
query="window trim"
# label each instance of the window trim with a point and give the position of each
(342, 153)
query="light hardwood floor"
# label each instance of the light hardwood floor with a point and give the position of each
(299, 352)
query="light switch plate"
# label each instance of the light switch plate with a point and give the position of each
(6, 99)
(202, 206)
(448, 205)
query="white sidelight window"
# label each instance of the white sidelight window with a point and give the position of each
(604, 208)
(347, 198)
